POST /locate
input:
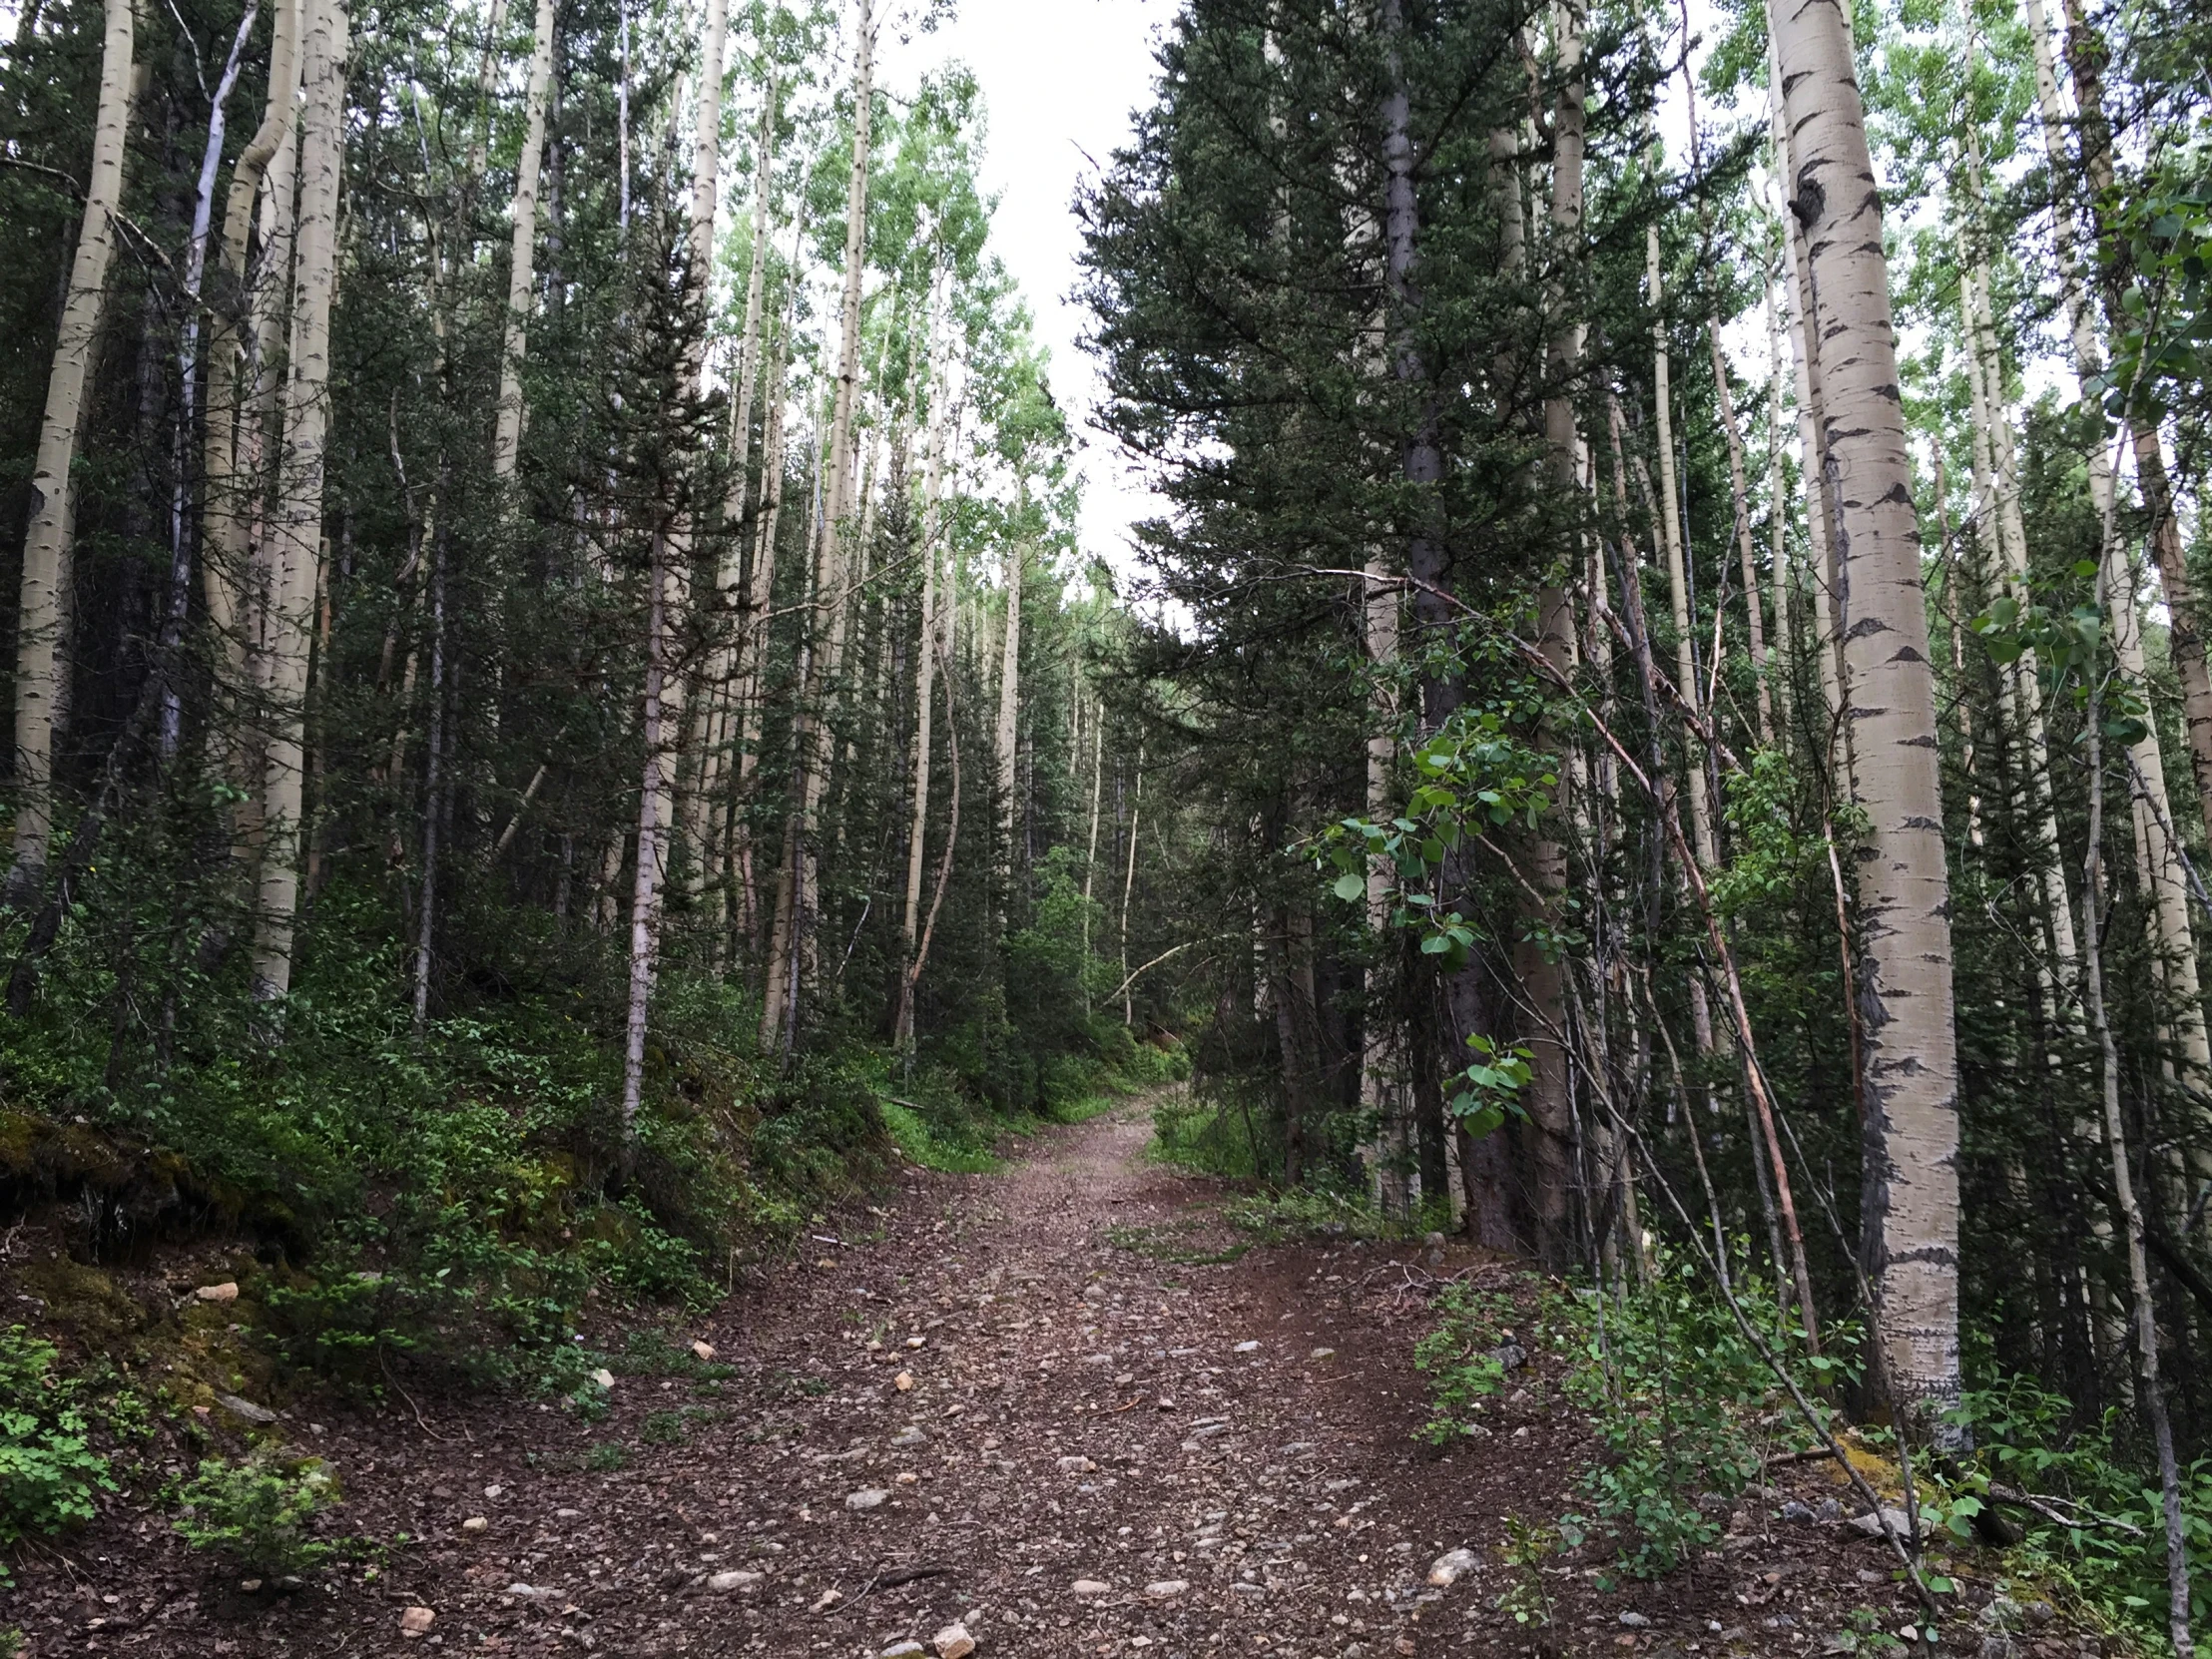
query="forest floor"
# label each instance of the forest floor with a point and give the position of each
(1062, 1406)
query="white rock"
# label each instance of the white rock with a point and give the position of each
(868, 1497)
(904, 1381)
(604, 1377)
(1448, 1569)
(1246, 1348)
(1162, 1589)
(416, 1621)
(1092, 1587)
(904, 1650)
(224, 1292)
(1899, 1522)
(1324, 1354)
(954, 1642)
(1077, 1465)
(1635, 1621)
(723, 1582)
(911, 1436)
(475, 1523)
(494, 1491)
(239, 1408)
(703, 1351)
(568, 1514)
(530, 1593)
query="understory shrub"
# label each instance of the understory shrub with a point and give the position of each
(49, 1473)
(260, 1512)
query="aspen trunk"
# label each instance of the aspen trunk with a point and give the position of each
(1778, 519)
(1820, 501)
(1911, 1205)
(41, 660)
(826, 616)
(929, 642)
(223, 513)
(648, 879)
(760, 587)
(1380, 1089)
(727, 661)
(1993, 414)
(1128, 888)
(506, 443)
(2153, 809)
(1741, 493)
(298, 527)
(1009, 705)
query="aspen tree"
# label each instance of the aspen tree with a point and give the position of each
(297, 530)
(1911, 1201)
(667, 569)
(1128, 890)
(1536, 958)
(1820, 505)
(2155, 823)
(1991, 415)
(1742, 501)
(825, 618)
(931, 643)
(1778, 517)
(222, 518)
(506, 443)
(1009, 699)
(41, 657)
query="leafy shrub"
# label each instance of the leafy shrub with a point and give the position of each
(1460, 1357)
(1204, 1137)
(261, 1513)
(49, 1472)
(2031, 1439)
(1670, 1385)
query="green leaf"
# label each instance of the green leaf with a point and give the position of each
(1350, 887)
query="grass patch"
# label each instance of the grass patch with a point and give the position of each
(1160, 1245)
(936, 1145)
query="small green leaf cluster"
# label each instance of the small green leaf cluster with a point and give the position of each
(1526, 1546)
(2065, 644)
(49, 1473)
(2166, 347)
(1473, 776)
(260, 1512)
(1459, 1359)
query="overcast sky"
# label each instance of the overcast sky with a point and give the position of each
(1060, 79)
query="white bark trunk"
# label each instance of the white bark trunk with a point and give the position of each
(506, 443)
(298, 526)
(41, 662)
(1911, 1205)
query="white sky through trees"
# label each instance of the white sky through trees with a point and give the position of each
(1060, 80)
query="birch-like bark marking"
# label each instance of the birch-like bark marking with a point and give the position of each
(297, 532)
(930, 642)
(41, 665)
(1910, 1231)
(222, 522)
(1778, 518)
(522, 261)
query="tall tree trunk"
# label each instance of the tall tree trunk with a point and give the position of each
(1539, 967)
(825, 618)
(299, 525)
(2153, 807)
(759, 589)
(1820, 501)
(1009, 704)
(1910, 1231)
(1990, 411)
(652, 862)
(930, 641)
(1741, 494)
(506, 443)
(1778, 519)
(1128, 890)
(2086, 53)
(224, 514)
(726, 664)
(41, 657)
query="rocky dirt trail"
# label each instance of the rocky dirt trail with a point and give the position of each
(1055, 1412)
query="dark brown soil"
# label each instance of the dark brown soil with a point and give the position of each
(1229, 1446)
